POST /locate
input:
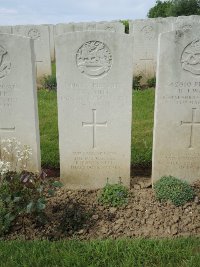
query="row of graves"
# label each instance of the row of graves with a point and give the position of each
(145, 34)
(94, 92)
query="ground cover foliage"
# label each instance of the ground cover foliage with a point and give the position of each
(182, 252)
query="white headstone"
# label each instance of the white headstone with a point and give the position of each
(145, 34)
(176, 148)
(90, 26)
(6, 29)
(40, 35)
(18, 99)
(51, 40)
(186, 22)
(94, 76)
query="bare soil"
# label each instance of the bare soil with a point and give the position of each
(78, 214)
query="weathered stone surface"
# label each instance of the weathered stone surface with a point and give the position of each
(176, 148)
(40, 36)
(94, 76)
(51, 40)
(62, 28)
(186, 22)
(145, 33)
(18, 99)
(6, 29)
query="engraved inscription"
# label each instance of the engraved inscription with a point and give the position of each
(148, 32)
(94, 160)
(190, 58)
(34, 34)
(191, 123)
(94, 124)
(5, 63)
(94, 59)
(7, 103)
(186, 27)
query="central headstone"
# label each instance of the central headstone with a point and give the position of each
(94, 75)
(176, 148)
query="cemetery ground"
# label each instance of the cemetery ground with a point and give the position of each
(88, 233)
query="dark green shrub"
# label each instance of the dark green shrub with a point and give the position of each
(21, 194)
(137, 82)
(126, 24)
(151, 82)
(170, 188)
(114, 195)
(49, 82)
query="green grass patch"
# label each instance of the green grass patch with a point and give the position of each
(108, 253)
(142, 127)
(47, 102)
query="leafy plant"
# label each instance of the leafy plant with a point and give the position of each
(114, 195)
(126, 24)
(49, 82)
(24, 193)
(74, 218)
(137, 82)
(170, 188)
(151, 82)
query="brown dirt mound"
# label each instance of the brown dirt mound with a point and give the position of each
(78, 214)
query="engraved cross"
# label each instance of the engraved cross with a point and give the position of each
(94, 124)
(191, 124)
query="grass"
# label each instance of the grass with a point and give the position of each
(47, 103)
(143, 105)
(142, 127)
(108, 253)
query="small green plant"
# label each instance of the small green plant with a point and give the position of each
(151, 82)
(114, 195)
(170, 188)
(126, 24)
(49, 82)
(137, 82)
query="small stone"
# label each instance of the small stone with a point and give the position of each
(137, 187)
(80, 232)
(196, 199)
(95, 217)
(119, 221)
(112, 210)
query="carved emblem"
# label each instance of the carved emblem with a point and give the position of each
(148, 32)
(5, 64)
(190, 58)
(94, 59)
(110, 28)
(34, 34)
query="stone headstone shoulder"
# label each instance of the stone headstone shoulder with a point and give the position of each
(145, 33)
(18, 99)
(115, 26)
(186, 22)
(41, 36)
(94, 86)
(176, 145)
